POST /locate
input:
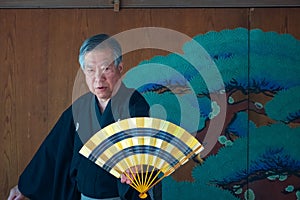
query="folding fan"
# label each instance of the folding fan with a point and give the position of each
(144, 149)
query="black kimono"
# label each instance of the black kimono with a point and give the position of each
(58, 172)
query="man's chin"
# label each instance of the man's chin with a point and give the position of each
(102, 97)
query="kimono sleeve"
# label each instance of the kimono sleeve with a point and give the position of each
(48, 175)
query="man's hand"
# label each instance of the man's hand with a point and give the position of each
(15, 194)
(126, 179)
(129, 175)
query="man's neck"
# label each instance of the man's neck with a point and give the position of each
(102, 104)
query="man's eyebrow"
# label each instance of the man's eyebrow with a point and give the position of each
(89, 66)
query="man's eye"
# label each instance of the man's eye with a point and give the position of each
(107, 68)
(90, 70)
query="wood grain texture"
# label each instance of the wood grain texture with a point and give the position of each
(39, 67)
(280, 20)
(145, 3)
(8, 148)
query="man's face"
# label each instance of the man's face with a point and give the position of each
(101, 74)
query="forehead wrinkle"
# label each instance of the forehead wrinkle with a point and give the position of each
(99, 57)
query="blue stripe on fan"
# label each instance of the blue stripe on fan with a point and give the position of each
(140, 149)
(136, 132)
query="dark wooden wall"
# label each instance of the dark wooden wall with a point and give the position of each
(38, 59)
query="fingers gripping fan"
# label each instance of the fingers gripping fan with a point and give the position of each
(144, 149)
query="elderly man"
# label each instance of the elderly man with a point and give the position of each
(57, 170)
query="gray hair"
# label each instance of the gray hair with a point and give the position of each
(100, 41)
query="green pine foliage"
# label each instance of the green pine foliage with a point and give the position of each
(274, 136)
(285, 105)
(231, 163)
(190, 191)
(181, 111)
(240, 125)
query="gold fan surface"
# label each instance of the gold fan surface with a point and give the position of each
(151, 147)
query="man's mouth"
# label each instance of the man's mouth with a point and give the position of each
(100, 88)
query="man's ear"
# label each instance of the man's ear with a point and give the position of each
(120, 66)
